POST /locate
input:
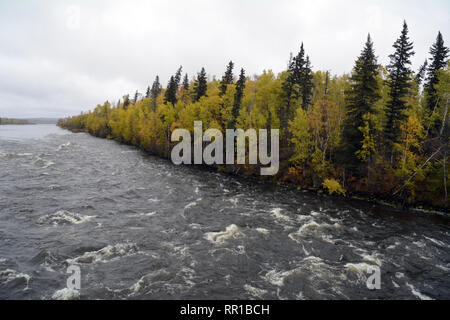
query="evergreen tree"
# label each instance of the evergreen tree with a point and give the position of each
(306, 84)
(421, 73)
(290, 90)
(186, 82)
(240, 86)
(297, 84)
(147, 94)
(360, 104)
(200, 85)
(399, 83)
(439, 54)
(126, 101)
(177, 77)
(227, 78)
(136, 96)
(172, 87)
(171, 94)
(155, 91)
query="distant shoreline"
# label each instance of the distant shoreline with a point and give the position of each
(27, 121)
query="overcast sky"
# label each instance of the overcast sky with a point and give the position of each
(58, 58)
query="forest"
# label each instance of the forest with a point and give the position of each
(379, 132)
(13, 121)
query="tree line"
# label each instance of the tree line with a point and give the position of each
(380, 131)
(13, 121)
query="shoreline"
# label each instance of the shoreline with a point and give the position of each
(379, 201)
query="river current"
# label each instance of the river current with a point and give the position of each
(139, 227)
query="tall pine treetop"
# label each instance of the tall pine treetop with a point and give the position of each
(361, 102)
(186, 82)
(227, 78)
(399, 83)
(200, 85)
(439, 53)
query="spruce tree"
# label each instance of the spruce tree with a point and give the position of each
(290, 89)
(170, 94)
(420, 76)
(227, 78)
(360, 101)
(298, 83)
(155, 91)
(147, 94)
(439, 54)
(172, 87)
(306, 84)
(200, 85)
(399, 83)
(239, 94)
(126, 101)
(136, 96)
(186, 82)
(177, 77)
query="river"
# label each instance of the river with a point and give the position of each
(140, 227)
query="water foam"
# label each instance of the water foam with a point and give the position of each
(415, 292)
(262, 231)
(9, 275)
(64, 217)
(66, 294)
(256, 292)
(232, 231)
(278, 215)
(62, 146)
(106, 254)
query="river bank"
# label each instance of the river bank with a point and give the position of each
(193, 233)
(391, 203)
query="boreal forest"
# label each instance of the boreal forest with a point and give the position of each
(379, 132)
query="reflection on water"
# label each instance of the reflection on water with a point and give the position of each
(142, 228)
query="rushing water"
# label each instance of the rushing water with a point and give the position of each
(140, 227)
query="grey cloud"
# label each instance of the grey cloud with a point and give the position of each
(50, 68)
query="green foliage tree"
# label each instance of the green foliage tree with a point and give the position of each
(239, 94)
(439, 53)
(361, 102)
(399, 83)
(200, 85)
(155, 91)
(227, 78)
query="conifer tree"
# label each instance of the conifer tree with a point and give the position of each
(240, 86)
(420, 76)
(136, 96)
(439, 54)
(290, 90)
(172, 87)
(360, 104)
(306, 84)
(155, 91)
(147, 94)
(297, 84)
(227, 78)
(399, 83)
(170, 94)
(126, 101)
(186, 82)
(200, 85)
